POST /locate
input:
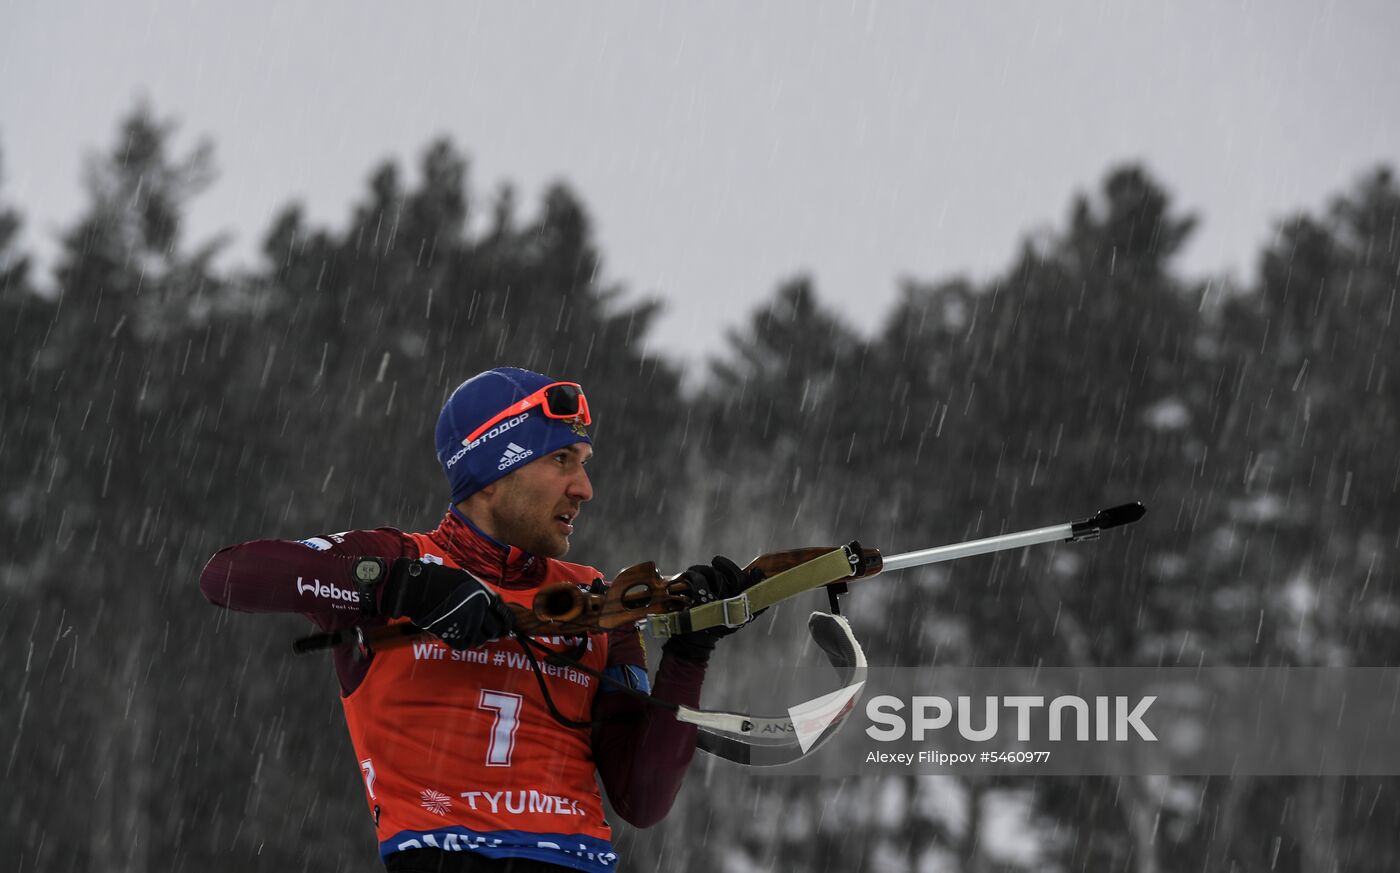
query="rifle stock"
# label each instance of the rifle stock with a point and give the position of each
(774, 563)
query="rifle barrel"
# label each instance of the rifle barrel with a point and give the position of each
(1075, 531)
(978, 547)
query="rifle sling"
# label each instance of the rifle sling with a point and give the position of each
(828, 568)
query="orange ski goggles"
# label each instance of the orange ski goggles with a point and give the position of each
(559, 400)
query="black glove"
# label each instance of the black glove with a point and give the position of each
(450, 604)
(719, 580)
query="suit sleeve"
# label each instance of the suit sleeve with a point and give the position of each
(309, 577)
(641, 751)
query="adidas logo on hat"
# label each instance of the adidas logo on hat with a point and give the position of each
(514, 455)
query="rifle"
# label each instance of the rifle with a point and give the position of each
(640, 594)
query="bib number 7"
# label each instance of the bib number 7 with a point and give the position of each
(507, 709)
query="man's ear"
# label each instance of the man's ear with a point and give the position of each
(485, 494)
(465, 507)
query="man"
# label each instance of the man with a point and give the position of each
(473, 759)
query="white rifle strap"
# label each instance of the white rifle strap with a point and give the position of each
(773, 740)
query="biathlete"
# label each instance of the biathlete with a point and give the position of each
(472, 758)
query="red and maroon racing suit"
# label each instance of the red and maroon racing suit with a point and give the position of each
(459, 754)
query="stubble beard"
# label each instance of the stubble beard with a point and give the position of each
(521, 523)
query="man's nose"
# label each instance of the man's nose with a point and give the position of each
(581, 488)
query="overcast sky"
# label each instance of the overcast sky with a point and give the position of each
(724, 147)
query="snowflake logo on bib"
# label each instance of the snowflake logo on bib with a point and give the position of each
(435, 801)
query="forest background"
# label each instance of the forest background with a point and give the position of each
(155, 406)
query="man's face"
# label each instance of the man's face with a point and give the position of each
(534, 507)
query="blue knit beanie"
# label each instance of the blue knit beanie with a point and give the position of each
(512, 442)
